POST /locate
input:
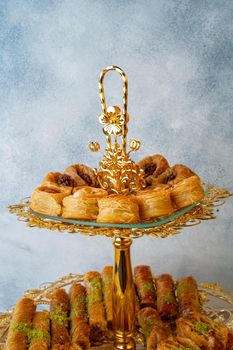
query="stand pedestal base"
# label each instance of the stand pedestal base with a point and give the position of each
(123, 296)
(124, 341)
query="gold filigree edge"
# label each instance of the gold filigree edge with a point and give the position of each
(204, 211)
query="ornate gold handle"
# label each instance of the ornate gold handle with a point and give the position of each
(113, 114)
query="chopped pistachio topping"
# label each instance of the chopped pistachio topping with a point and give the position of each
(21, 327)
(38, 334)
(96, 283)
(96, 291)
(146, 287)
(94, 297)
(201, 328)
(150, 325)
(60, 316)
(108, 281)
(167, 299)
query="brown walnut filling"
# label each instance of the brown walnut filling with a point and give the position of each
(66, 180)
(149, 169)
(86, 178)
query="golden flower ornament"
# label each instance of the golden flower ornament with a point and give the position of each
(112, 121)
(117, 172)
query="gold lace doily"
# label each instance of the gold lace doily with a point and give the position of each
(204, 211)
(216, 304)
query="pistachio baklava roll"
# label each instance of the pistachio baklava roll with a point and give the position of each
(95, 306)
(79, 327)
(166, 300)
(145, 286)
(205, 332)
(107, 274)
(230, 341)
(40, 334)
(187, 297)
(20, 326)
(177, 343)
(59, 314)
(152, 327)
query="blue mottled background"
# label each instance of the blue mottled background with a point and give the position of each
(178, 55)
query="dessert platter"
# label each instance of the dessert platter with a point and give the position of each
(123, 200)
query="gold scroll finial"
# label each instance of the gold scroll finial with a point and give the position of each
(117, 173)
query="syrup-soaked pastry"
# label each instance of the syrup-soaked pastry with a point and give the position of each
(59, 315)
(66, 347)
(166, 301)
(83, 203)
(40, 334)
(95, 306)
(58, 180)
(20, 325)
(187, 297)
(145, 286)
(118, 209)
(177, 343)
(187, 192)
(107, 274)
(82, 174)
(48, 200)
(230, 341)
(79, 327)
(173, 175)
(153, 166)
(152, 327)
(154, 202)
(204, 331)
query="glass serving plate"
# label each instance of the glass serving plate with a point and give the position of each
(149, 223)
(215, 303)
(159, 227)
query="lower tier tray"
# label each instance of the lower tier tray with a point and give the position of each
(216, 304)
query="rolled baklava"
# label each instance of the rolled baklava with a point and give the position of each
(20, 325)
(107, 274)
(166, 301)
(188, 297)
(95, 306)
(177, 343)
(79, 327)
(40, 335)
(145, 286)
(59, 314)
(204, 331)
(152, 327)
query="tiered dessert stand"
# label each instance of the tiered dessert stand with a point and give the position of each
(119, 174)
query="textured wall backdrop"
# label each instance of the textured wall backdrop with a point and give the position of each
(178, 57)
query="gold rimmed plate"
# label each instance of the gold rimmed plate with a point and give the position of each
(216, 304)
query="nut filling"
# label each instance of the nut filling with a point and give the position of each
(149, 169)
(66, 180)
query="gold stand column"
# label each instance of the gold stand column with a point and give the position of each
(123, 296)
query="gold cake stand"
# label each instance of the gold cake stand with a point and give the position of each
(118, 174)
